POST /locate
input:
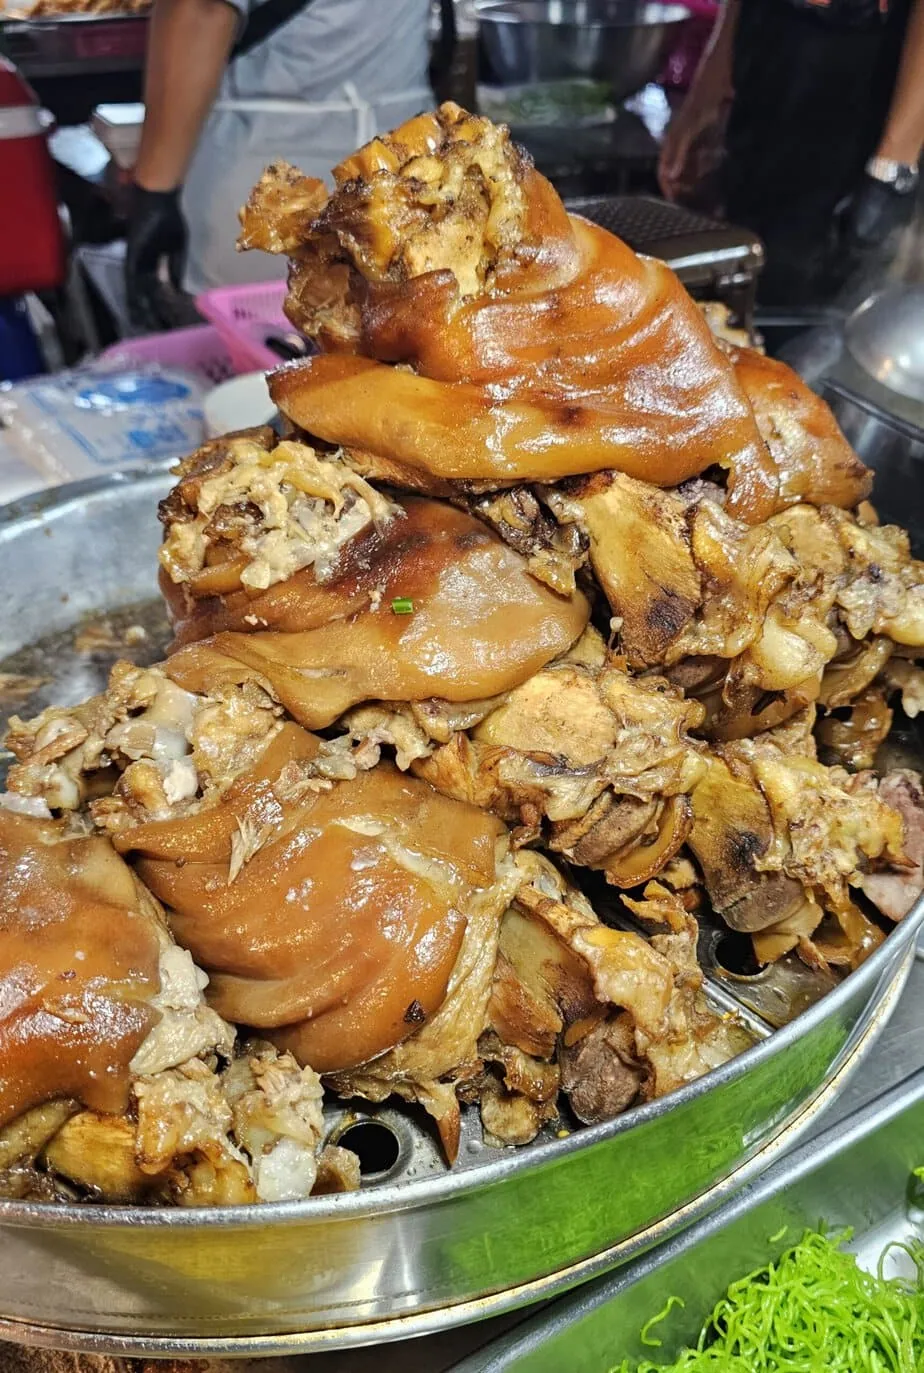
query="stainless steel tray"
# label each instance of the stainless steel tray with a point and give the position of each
(76, 44)
(855, 1173)
(419, 1249)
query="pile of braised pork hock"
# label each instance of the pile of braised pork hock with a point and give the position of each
(546, 576)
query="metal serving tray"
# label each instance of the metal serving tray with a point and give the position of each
(855, 1174)
(419, 1248)
(76, 44)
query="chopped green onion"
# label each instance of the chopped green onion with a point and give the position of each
(402, 605)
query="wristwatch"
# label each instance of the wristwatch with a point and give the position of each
(902, 177)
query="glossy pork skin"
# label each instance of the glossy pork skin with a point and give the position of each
(337, 927)
(472, 331)
(480, 623)
(79, 954)
(814, 461)
(601, 360)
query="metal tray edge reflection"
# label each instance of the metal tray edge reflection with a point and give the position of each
(801, 1190)
(706, 1209)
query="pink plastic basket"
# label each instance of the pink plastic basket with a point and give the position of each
(201, 350)
(243, 315)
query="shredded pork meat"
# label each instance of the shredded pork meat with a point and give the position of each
(261, 510)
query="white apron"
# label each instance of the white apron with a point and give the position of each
(242, 137)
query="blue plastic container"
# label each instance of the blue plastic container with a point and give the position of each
(20, 355)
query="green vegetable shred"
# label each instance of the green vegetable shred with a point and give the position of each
(813, 1311)
(402, 605)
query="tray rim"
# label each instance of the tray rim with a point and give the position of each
(695, 1215)
(18, 23)
(808, 1157)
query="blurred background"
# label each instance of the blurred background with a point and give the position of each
(768, 150)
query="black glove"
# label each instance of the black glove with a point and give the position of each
(874, 212)
(156, 233)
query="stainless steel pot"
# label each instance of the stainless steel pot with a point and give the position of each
(419, 1248)
(886, 337)
(821, 346)
(624, 42)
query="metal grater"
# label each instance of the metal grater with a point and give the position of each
(714, 260)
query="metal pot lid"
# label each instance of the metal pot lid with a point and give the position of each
(885, 335)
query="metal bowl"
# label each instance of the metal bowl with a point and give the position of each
(885, 335)
(419, 1248)
(623, 42)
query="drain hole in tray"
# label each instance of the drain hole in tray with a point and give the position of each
(734, 953)
(375, 1144)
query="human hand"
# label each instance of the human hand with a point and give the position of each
(690, 144)
(874, 211)
(157, 234)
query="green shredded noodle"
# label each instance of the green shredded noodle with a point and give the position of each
(646, 1336)
(814, 1310)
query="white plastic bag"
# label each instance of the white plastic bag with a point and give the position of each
(86, 423)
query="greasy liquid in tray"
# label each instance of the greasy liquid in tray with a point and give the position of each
(74, 663)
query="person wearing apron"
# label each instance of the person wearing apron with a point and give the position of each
(323, 82)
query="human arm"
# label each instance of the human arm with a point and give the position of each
(885, 197)
(188, 50)
(903, 136)
(702, 107)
